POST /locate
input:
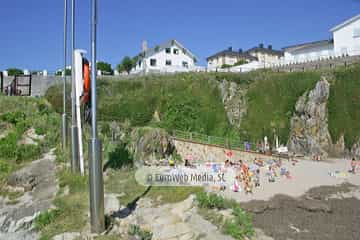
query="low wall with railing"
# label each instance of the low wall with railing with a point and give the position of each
(326, 63)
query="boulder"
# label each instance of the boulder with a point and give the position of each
(150, 145)
(309, 132)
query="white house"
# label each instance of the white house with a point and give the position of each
(227, 58)
(345, 41)
(347, 36)
(168, 57)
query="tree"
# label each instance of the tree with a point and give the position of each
(104, 67)
(135, 60)
(14, 71)
(67, 71)
(125, 65)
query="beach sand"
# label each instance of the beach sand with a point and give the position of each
(305, 174)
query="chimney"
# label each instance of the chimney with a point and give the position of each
(261, 45)
(240, 50)
(230, 48)
(144, 46)
(270, 47)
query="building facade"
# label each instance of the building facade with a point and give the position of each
(168, 57)
(228, 58)
(345, 41)
(347, 37)
(264, 55)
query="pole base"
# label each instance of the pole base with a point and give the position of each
(64, 131)
(75, 162)
(97, 218)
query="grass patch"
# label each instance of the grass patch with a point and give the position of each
(17, 115)
(271, 103)
(123, 181)
(239, 225)
(344, 105)
(71, 210)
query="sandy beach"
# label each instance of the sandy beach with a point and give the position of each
(305, 174)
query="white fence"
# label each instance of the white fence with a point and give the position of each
(313, 58)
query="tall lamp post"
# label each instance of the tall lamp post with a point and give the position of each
(64, 127)
(75, 166)
(95, 150)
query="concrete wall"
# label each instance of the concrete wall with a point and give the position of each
(40, 84)
(345, 41)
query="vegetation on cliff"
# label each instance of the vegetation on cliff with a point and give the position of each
(192, 102)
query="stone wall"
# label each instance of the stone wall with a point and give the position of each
(202, 153)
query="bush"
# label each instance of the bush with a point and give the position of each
(213, 201)
(226, 66)
(240, 226)
(119, 158)
(135, 230)
(27, 152)
(45, 218)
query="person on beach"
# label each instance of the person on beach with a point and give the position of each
(257, 178)
(353, 165)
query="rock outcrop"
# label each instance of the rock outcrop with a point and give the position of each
(234, 100)
(150, 145)
(38, 182)
(309, 133)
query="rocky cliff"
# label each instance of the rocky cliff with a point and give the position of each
(234, 100)
(309, 132)
(150, 145)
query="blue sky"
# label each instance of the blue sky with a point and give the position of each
(32, 31)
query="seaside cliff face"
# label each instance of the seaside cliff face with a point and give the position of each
(234, 99)
(309, 132)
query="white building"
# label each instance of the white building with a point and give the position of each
(345, 41)
(347, 36)
(228, 58)
(168, 57)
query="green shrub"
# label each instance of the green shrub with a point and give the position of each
(135, 230)
(240, 227)
(45, 218)
(119, 158)
(226, 66)
(27, 152)
(13, 117)
(240, 62)
(213, 201)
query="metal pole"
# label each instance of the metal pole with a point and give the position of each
(75, 166)
(95, 150)
(64, 129)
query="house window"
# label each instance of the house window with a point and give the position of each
(168, 63)
(176, 51)
(168, 50)
(153, 62)
(185, 64)
(356, 32)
